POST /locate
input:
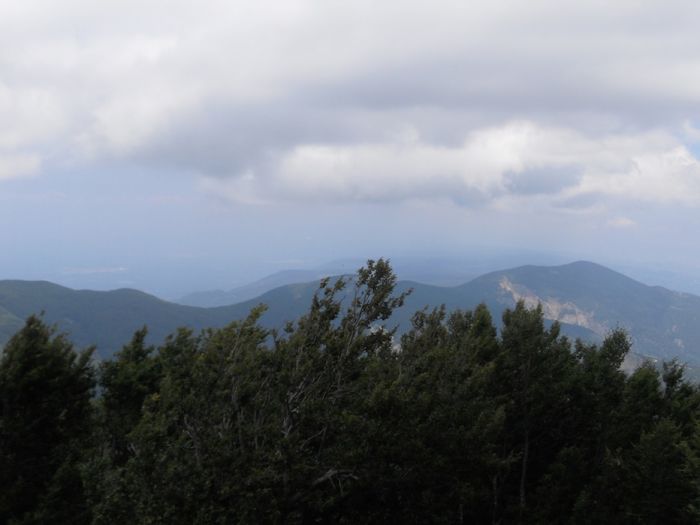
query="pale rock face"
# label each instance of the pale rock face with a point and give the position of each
(554, 309)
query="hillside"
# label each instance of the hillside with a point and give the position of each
(661, 322)
(433, 270)
(107, 319)
(588, 299)
(213, 298)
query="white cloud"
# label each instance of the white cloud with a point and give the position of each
(29, 116)
(15, 165)
(622, 222)
(662, 175)
(518, 160)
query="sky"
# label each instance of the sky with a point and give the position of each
(174, 146)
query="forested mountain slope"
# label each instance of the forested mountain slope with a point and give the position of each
(588, 299)
(107, 319)
(214, 298)
(662, 323)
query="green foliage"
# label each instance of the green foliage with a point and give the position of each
(126, 381)
(45, 412)
(336, 419)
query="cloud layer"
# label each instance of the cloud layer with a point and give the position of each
(500, 104)
(496, 166)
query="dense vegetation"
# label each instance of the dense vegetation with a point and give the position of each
(330, 420)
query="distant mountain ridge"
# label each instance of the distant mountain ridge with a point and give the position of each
(212, 298)
(106, 319)
(662, 323)
(439, 272)
(588, 299)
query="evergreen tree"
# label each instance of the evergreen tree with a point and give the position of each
(45, 412)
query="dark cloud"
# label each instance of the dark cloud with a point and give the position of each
(221, 139)
(581, 201)
(543, 180)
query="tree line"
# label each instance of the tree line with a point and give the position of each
(334, 419)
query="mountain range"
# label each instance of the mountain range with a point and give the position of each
(440, 271)
(586, 298)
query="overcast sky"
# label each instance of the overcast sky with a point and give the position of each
(173, 146)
